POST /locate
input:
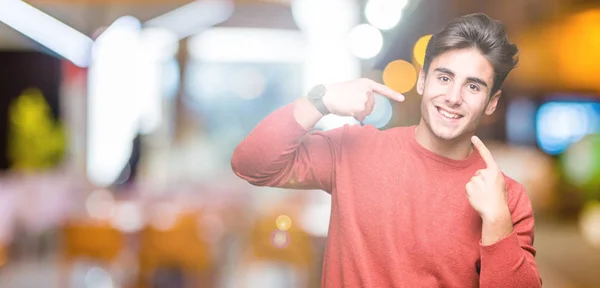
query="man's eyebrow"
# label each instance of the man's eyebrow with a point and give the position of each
(444, 70)
(470, 79)
(477, 80)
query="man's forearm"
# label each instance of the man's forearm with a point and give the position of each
(496, 227)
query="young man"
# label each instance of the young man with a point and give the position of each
(420, 206)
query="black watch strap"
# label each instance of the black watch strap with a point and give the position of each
(315, 95)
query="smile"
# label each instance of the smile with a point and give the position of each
(448, 114)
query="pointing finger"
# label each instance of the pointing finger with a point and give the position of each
(385, 91)
(484, 152)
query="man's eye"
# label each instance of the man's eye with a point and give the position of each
(444, 79)
(473, 87)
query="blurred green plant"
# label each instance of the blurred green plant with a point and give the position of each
(581, 166)
(35, 141)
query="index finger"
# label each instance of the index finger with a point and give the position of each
(385, 91)
(484, 152)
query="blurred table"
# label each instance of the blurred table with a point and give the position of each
(565, 260)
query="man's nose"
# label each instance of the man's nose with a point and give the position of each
(453, 96)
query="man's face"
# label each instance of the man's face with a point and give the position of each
(456, 93)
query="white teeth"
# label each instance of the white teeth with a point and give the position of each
(448, 114)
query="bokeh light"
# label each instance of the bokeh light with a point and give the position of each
(559, 124)
(98, 278)
(579, 49)
(365, 41)
(400, 76)
(331, 15)
(420, 48)
(382, 112)
(100, 204)
(590, 223)
(283, 222)
(164, 216)
(128, 217)
(562, 54)
(280, 239)
(384, 14)
(581, 165)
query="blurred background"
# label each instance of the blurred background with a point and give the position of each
(118, 120)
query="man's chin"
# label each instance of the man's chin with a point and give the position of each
(446, 133)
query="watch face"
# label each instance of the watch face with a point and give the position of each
(317, 92)
(316, 98)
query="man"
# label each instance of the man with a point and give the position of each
(419, 206)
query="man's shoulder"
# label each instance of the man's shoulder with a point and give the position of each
(516, 193)
(513, 185)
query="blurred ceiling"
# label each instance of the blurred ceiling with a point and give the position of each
(522, 18)
(87, 16)
(424, 17)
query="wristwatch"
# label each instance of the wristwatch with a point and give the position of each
(315, 96)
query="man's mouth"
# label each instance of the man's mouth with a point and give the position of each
(448, 114)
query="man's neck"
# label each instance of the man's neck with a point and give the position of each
(457, 149)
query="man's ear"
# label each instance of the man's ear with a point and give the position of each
(493, 103)
(421, 82)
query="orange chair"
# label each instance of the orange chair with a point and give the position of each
(178, 246)
(95, 240)
(90, 240)
(296, 252)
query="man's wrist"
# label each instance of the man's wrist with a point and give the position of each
(496, 226)
(316, 97)
(500, 214)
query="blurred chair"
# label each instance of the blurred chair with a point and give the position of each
(93, 241)
(283, 257)
(175, 252)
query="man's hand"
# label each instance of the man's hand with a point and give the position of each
(487, 195)
(355, 98)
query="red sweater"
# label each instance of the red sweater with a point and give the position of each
(400, 216)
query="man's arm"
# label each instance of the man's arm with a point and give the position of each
(510, 262)
(279, 152)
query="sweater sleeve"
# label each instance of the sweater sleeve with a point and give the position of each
(279, 152)
(510, 262)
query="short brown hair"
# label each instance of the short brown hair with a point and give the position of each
(481, 32)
